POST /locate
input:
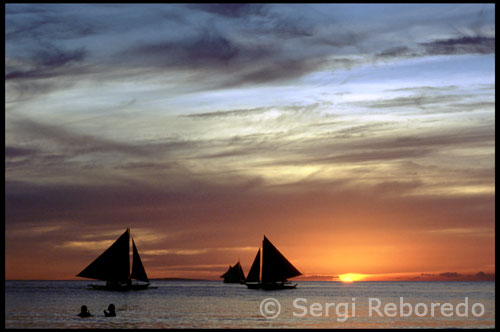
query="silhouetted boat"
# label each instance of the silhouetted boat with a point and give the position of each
(234, 274)
(276, 269)
(113, 266)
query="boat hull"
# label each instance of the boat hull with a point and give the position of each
(253, 286)
(277, 286)
(271, 286)
(120, 288)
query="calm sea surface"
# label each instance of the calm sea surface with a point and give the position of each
(212, 304)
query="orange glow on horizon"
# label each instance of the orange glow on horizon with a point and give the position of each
(351, 277)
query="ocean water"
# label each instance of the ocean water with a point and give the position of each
(213, 304)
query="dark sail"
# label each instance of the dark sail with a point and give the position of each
(227, 272)
(254, 273)
(234, 274)
(138, 271)
(239, 272)
(275, 267)
(112, 265)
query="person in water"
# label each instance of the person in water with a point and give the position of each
(111, 312)
(84, 313)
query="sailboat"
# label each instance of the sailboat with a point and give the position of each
(234, 274)
(276, 269)
(113, 266)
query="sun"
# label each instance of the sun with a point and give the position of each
(350, 277)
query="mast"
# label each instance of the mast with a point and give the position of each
(113, 264)
(275, 267)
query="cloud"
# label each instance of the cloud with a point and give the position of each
(71, 143)
(197, 157)
(12, 152)
(231, 10)
(451, 46)
(86, 245)
(464, 231)
(283, 69)
(426, 89)
(48, 63)
(450, 274)
(32, 22)
(317, 277)
(156, 252)
(206, 49)
(393, 52)
(35, 230)
(455, 276)
(24, 9)
(41, 71)
(221, 62)
(224, 45)
(182, 269)
(200, 219)
(433, 100)
(173, 252)
(234, 249)
(461, 45)
(223, 114)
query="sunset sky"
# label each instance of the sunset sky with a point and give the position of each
(357, 138)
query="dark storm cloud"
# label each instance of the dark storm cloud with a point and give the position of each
(231, 9)
(35, 50)
(16, 157)
(451, 46)
(394, 52)
(474, 36)
(224, 45)
(269, 22)
(206, 49)
(279, 70)
(461, 45)
(48, 63)
(222, 62)
(219, 59)
(16, 152)
(42, 26)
